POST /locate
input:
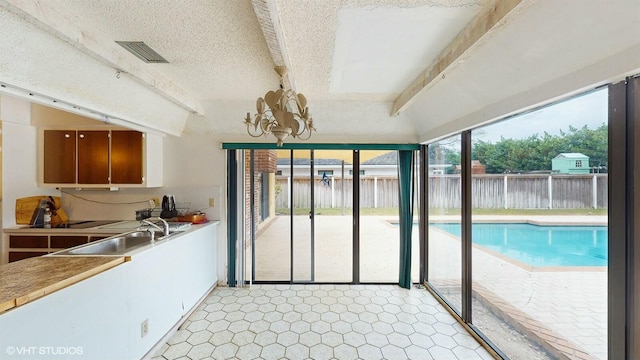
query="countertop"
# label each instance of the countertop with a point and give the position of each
(117, 227)
(23, 281)
(26, 280)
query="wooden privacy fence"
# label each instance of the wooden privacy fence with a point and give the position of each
(488, 192)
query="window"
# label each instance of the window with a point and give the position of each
(445, 204)
(538, 257)
(325, 172)
(361, 172)
(278, 172)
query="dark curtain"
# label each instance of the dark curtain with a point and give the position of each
(232, 215)
(405, 185)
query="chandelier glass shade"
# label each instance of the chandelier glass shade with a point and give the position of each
(282, 112)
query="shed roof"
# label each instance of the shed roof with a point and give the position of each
(572, 156)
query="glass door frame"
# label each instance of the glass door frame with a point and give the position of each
(311, 218)
(234, 226)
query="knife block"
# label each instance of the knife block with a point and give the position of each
(37, 219)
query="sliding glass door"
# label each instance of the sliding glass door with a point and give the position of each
(332, 215)
(308, 236)
(301, 216)
(306, 210)
(267, 231)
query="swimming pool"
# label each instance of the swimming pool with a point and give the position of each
(540, 245)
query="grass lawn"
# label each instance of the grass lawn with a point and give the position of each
(394, 211)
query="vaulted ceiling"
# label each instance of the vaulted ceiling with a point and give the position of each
(373, 70)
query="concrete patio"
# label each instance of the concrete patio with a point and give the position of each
(563, 309)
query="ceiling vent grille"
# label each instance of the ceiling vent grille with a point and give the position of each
(142, 51)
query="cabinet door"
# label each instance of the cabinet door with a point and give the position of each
(19, 255)
(97, 237)
(28, 241)
(93, 157)
(126, 157)
(59, 156)
(67, 241)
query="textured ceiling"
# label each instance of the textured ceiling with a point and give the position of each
(215, 49)
(367, 50)
(351, 58)
(343, 50)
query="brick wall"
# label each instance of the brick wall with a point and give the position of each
(265, 161)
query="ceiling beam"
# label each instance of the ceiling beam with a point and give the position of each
(52, 17)
(269, 19)
(488, 19)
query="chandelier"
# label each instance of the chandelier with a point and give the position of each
(281, 113)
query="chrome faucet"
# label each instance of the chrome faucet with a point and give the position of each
(164, 222)
(153, 234)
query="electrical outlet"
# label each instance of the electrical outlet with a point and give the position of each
(156, 201)
(144, 328)
(212, 202)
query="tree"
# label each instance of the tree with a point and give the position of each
(535, 152)
(446, 152)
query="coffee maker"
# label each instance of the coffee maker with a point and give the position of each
(168, 207)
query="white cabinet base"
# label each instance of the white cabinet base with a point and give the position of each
(101, 317)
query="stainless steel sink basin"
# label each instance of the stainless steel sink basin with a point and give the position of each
(118, 245)
(143, 233)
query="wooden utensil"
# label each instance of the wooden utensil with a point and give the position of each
(27, 205)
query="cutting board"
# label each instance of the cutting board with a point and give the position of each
(27, 205)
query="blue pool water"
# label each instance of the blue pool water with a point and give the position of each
(540, 245)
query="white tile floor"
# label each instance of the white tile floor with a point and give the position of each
(572, 303)
(321, 322)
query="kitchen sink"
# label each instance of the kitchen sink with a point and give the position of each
(117, 245)
(143, 233)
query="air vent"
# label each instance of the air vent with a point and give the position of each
(142, 51)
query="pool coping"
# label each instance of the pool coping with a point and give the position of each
(551, 341)
(540, 220)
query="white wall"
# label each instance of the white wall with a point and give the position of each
(194, 169)
(19, 156)
(194, 161)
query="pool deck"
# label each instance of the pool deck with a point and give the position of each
(562, 308)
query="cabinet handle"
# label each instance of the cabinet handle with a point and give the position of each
(81, 136)
(67, 136)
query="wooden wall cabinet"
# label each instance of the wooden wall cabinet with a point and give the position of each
(93, 157)
(126, 157)
(60, 156)
(98, 158)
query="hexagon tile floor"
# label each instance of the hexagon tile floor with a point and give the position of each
(321, 322)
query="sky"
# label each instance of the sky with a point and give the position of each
(590, 109)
